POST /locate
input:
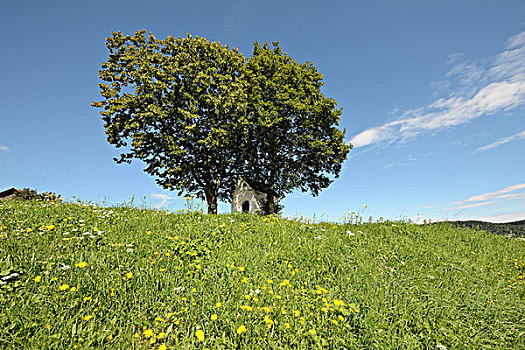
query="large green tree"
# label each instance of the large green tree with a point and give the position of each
(292, 139)
(178, 105)
(199, 116)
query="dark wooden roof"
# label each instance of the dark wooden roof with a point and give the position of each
(8, 192)
(260, 187)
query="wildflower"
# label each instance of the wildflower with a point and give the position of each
(312, 332)
(87, 298)
(63, 287)
(241, 268)
(87, 317)
(244, 280)
(241, 329)
(338, 303)
(81, 264)
(162, 347)
(73, 289)
(136, 335)
(50, 227)
(38, 278)
(129, 275)
(214, 317)
(200, 334)
(219, 304)
(296, 313)
(268, 320)
(148, 333)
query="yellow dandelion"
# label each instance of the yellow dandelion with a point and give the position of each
(219, 304)
(162, 347)
(200, 334)
(73, 289)
(213, 317)
(148, 333)
(241, 329)
(38, 278)
(129, 275)
(81, 264)
(87, 317)
(338, 303)
(312, 332)
(63, 287)
(136, 335)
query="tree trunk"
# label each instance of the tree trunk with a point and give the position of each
(211, 200)
(270, 199)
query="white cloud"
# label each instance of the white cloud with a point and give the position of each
(495, 198)
(164, 198)
(519, 135)
(496, 85)
(496, 194)
(504, 217)
(472, 205)
(4, 148)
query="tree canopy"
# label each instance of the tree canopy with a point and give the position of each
(292, 134)
(200, 115)
(178, 105)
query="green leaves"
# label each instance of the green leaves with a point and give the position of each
(293, 126)
(199, 115)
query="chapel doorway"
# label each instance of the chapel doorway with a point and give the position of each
(246, 207)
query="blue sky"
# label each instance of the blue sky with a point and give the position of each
(433, 98)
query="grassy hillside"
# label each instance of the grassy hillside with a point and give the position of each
(78, 276)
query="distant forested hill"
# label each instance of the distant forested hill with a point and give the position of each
(516, 228)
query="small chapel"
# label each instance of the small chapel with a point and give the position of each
(250, 197)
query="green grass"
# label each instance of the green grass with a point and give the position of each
(153, 279)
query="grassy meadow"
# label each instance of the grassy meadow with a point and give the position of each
(81, 276)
